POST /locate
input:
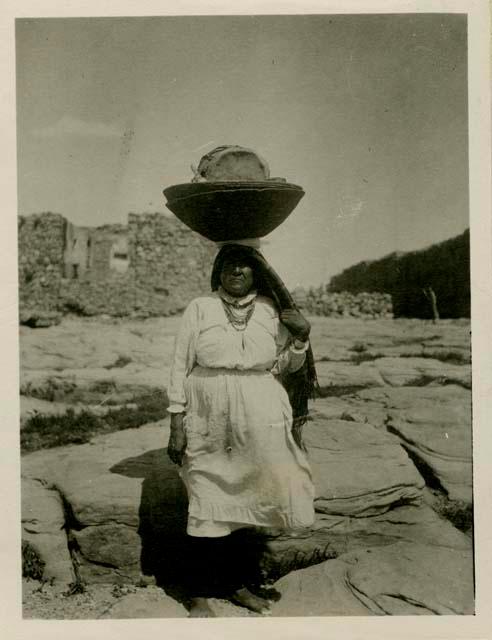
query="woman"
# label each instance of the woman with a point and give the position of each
(232, 418)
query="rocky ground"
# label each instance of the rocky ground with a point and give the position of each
(390, 449)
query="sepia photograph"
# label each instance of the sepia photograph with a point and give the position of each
(244, 305)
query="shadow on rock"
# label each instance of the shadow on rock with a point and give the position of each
(177, 561)
(162, 517)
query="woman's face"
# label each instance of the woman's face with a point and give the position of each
(236, 277)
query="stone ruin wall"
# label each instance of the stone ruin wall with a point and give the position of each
(171, 264)
(41, 247)
(153, 266)
(99, 288)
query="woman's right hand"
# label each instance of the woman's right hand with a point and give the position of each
(177, 439)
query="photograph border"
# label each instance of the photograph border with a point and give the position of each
(447, 627)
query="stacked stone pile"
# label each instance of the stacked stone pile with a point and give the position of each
(320, 302)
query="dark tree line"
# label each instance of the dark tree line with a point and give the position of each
(430, 283)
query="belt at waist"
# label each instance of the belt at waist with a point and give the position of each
(199, 370)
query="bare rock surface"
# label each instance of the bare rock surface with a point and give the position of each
(359, 470)
(381, 562)
(43, 526)
(343, 374)
(320, 590)
(352, 408)
(372, 445)
(97, 601)
(434, 425)
(30, 406)
(404, 578)
(108, 552)
(399, 372)
(83, 352)
(342, 339)
(442, 441)
(145, 603)
(401, 523)
(334, 536)
(125, 498)
(404, 397)
(82, 344)
(93, 386)
(412, 579)
(104, 503)
(123, 494)
(395, 372)
(96, 361)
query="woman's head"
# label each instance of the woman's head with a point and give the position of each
(235, 269)
(237, 277)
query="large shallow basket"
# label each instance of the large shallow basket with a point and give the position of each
(233, 210)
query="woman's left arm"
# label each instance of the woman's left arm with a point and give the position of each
(292, 341)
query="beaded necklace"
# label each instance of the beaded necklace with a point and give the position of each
(238, 310)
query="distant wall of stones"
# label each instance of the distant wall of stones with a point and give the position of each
(408, 277)
(319, 302)
(41, 247)
(156, 265)
(115, 297)
(69, 269)
(170, 263)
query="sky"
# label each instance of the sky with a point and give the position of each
(368, 113)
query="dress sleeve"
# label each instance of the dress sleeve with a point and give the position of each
(183, 357)
(289, 357)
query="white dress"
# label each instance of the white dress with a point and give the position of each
(242, 466)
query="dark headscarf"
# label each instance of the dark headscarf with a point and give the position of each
(302, 384)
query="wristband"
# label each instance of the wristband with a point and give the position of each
(176, 408)
(299, 346)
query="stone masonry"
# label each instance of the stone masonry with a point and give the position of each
(171, 264)
(41, 243)
(154, 266)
